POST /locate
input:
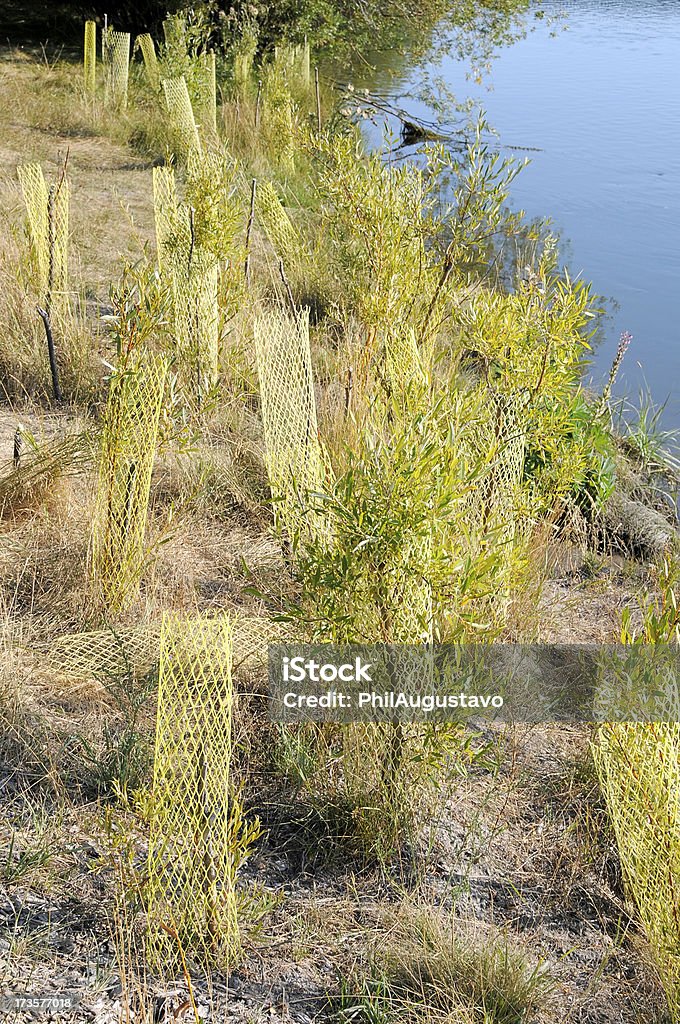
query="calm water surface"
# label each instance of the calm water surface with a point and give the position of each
(598, 93)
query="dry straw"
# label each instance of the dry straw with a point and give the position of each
(128, 450)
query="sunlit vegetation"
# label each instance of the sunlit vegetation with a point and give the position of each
(318, 346)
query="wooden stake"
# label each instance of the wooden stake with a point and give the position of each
(318, 99)
(54, 369)
(286, 285)
(249, 229)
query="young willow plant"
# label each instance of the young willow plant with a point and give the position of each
(397, 563)
(400, 252)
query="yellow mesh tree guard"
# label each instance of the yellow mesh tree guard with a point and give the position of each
(195, 283)
(90, 58)
(197, 327)
(244, 56)
(205, 91)
(498, 519)
(181, 116)
(403, 361)
(116, 61)
(164, 209)
(501, 440)
(294, 456)
(191, 865)
(638, 765)
(146, 45)
(295, 61)
(48, 223)
(106, 653)
(34, 191)
(279, 229)
(278, 121)
(129, 439)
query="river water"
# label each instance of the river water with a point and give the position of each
(594, 86)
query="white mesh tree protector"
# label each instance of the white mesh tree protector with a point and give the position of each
(294, 456)
(90, 59)
(181, 116)
(146, 45)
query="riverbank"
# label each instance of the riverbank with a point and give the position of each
(409, 339)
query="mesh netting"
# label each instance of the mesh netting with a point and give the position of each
(294, 456)
(191, 867)
(296, 62)
(496, 447)
(195, 298)
(116, 61)
(205, 91)
(403, 363)
(90, 58)
(164, 209)
(146, 45)
(108, 653)
(243, 66)
(34, 190)
(58, 229)
(278, 121)
(181, 116)
(279, 228)
(128, 449)
(195, 284)
(104, 654)
(496, 520)
(48, 222)
(638, 765)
